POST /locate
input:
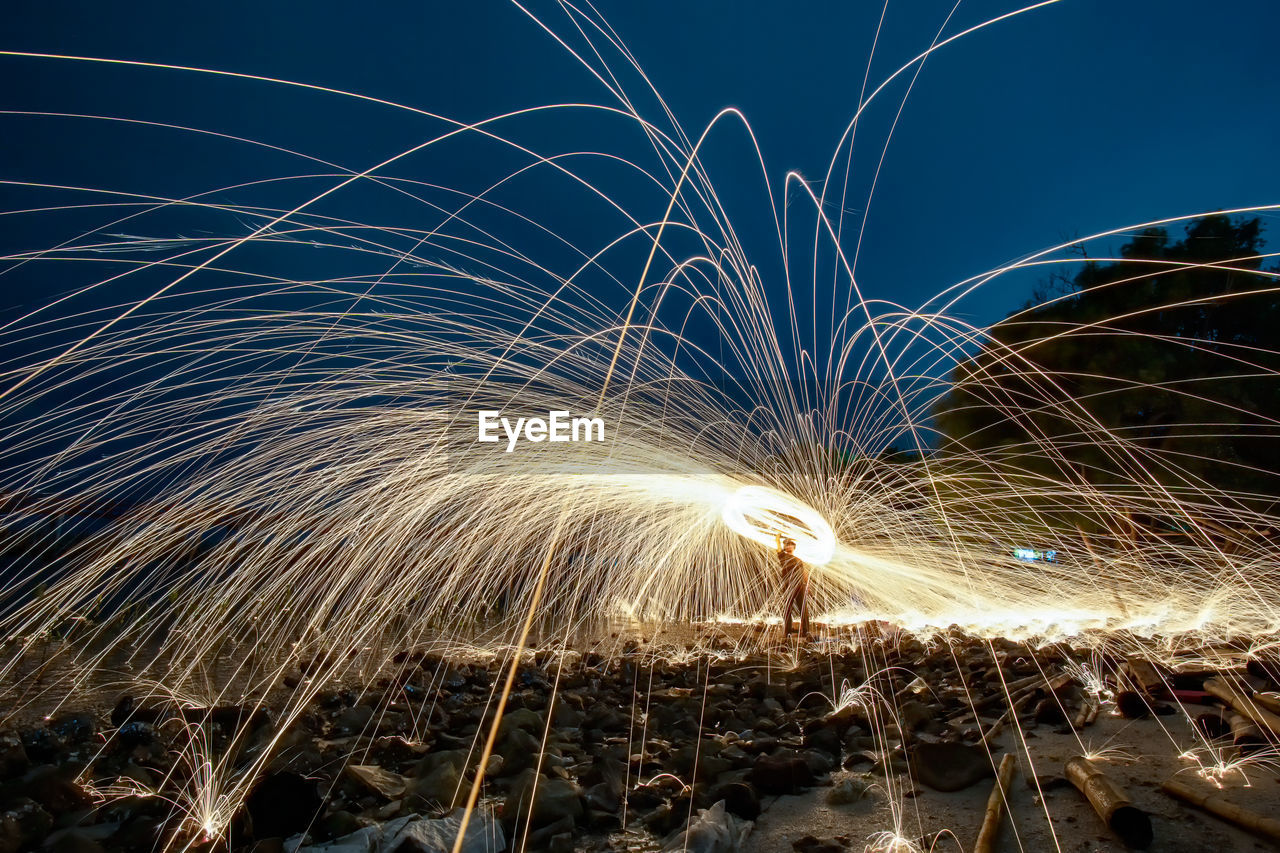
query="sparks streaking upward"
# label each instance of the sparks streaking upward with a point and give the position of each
(265, 435)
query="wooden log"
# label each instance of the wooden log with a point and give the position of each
(1088, 713)
(996, 802)
(1214, 804)
(1270, 701)
(1015, 709)
(1019, 701)
(1012, 688)
(1110, 802)
(1246, 734)
(1242, 704)
(1145, 676)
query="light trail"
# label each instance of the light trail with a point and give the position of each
(222, 456)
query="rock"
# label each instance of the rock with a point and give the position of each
(484, 835)
(135, 733)
(602, 822)
(456, 758)
(49, 787)
(759, 743)
(602, 797)
(414, 834)
(607, 768)
(645, 797)
(533, 679)
(522, 718)
(848, 791)
(819, 762)
(552, 799)
(441, 786)
(395, 750)
(519, 750)
(282, 804)
(13, 756)
(660, 821)
(73, 840)
(339, 823)
(820, 734)
(784, 773)
(140, 776)
(353, 720)
(739, 799)
(73, 728)
(914, 715)
(543, 836)
(708, 766)
(42, 745)
(381, 782)
(23, 824)
(949, 766)
(364, 840)
(714, 830)
(567, 716)
(139, 831)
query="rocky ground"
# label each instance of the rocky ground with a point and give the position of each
(826, 748)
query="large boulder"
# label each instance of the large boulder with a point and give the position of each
(782, 773)
(440, 782)
(950, 766)
(544, 799)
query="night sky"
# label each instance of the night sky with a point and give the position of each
(1079, 117)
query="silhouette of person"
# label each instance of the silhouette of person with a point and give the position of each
(795, 575)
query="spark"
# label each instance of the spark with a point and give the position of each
(269, 471)
(1218, 764)
(767, 516)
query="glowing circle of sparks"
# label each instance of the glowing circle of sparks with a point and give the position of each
(764, 515)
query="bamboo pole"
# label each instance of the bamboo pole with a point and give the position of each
(1144, 676)
(996, 805)
(1110, 802)
(1019, 702)
(1241, 703)
(1015, 709)
(1270, 701)
(1214, 804)
(1011, 691)
(1246, 734)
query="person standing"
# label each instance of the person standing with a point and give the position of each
(795, 575)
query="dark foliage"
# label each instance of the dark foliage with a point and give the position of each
(1164, 360)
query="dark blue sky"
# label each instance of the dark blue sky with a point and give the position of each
(1079, 117)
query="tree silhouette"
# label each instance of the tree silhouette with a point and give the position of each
(1163, 360)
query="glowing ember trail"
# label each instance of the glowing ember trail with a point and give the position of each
(766, 516)
(241, 475)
